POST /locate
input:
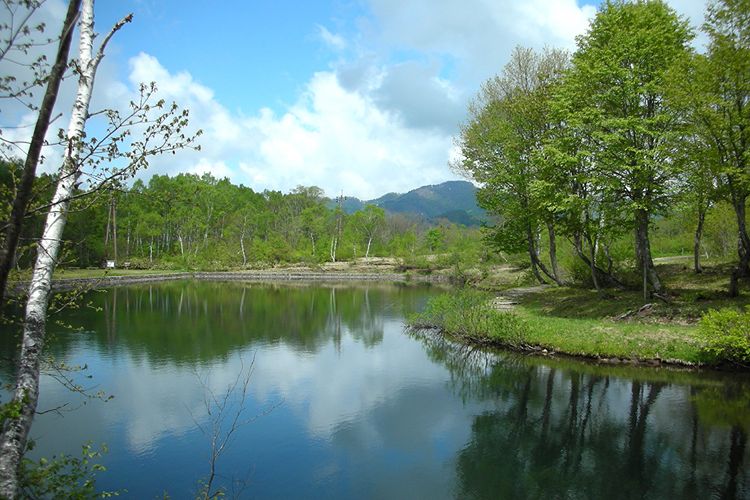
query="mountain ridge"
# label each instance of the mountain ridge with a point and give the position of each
(454, 201)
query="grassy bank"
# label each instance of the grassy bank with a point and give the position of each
(469, 316)
(614, 326)
(106, 273)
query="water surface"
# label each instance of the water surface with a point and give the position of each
(344, 404)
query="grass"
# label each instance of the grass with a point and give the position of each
(469, 317)
(607, 338)
(105, 273)
(691, 296)
(581, 322)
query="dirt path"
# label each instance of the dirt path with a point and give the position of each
(508, 299)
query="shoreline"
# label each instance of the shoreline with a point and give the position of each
(261, 276)
(540, 351)
(302, 275)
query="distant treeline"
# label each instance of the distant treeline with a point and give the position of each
(202, 222)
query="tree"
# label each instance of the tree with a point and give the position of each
(160, 134)
(336, 224)
(507, 124)
(313, 224)
(616, 91)
(701, 190)
(23, 193)
(369, 222)
(716, 96)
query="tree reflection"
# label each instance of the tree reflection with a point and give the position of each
(569, 430)
(188, 322)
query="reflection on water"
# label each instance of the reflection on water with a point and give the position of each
(571, 430)
(367, 411)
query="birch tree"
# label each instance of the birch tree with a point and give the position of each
(369, 222)
(33, 154)
(116, 157)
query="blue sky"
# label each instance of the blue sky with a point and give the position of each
(251, 53)
(359, 96)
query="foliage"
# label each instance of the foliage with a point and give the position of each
(633, 127)
(506, 125)
(727, 334)
(64, 476)
(468, 314)
(200, 222)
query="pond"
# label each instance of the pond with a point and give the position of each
(343, 403)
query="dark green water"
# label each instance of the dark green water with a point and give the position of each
(350, 406)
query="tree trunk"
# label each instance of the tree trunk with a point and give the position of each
(553, 252)
(23, 196)
(610, 263)
(26, 392)
(592, 264)
(604, 278)
(151, 251)
(369, 242)
(114, 227)
(108, 229)
(743, 248)
(697, 240)
(643, 253)
(533, 255)
(536, 263)
(242, 247)
(208, 226)
(334, 243)
(127, 242)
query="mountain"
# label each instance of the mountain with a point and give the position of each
(452, 200)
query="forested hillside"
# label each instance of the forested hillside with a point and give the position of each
(200, 221)
(454, 201)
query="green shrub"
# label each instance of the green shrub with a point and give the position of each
(469, 314)
(64, 476)
(419, 263)
(135, 263)
(727, 335)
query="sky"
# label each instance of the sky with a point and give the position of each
(360, 97)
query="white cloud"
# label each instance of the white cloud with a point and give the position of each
(380, 118)
(336, 42)
(369, 125)
(478, 37)
(332, 137)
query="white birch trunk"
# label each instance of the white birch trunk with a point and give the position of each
(242, 247)
(208, 226)
(334, 244)
(114, 227)
(26, 393)
(369, 242)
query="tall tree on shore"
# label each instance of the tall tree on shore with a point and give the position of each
(160, 133)
(506, 126)
(717, 97)
(616, 89)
